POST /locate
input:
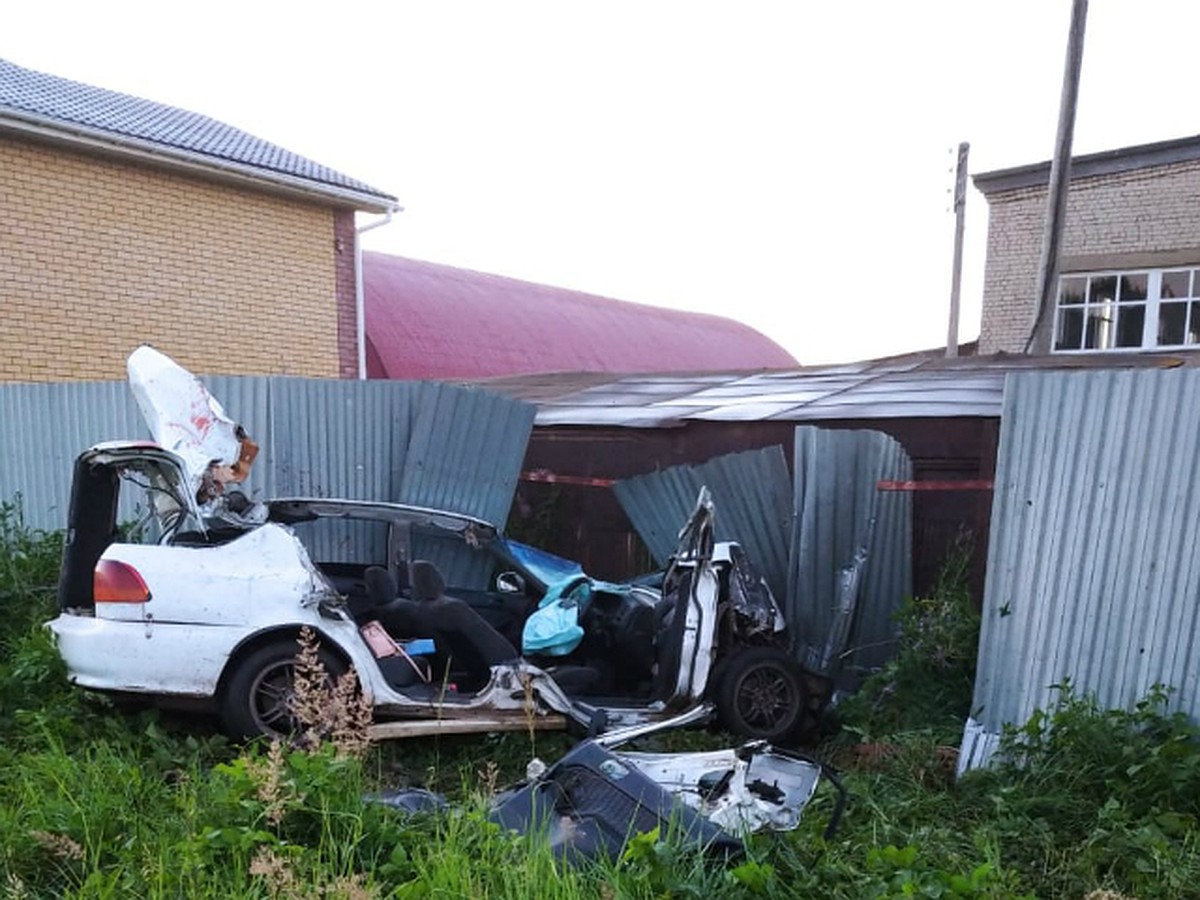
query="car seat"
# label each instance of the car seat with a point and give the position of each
(474, 645)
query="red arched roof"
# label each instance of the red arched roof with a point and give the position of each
(437, 322)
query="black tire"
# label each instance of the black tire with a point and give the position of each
(256, 701)
(760, 694)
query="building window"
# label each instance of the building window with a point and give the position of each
(1152, 309)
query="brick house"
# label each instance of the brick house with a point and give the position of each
(125, 221)
(1130, 258)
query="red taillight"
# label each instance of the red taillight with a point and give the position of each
(118, 582)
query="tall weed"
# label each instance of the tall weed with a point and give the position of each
(1098, 797)
(34, 695)
(927, 684)
(29, 564)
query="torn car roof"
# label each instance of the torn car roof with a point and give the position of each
(182, 415)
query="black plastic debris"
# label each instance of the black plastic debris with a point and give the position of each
(590, 803)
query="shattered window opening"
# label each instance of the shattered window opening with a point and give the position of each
(158, 513)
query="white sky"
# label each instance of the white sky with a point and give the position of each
(787, 164)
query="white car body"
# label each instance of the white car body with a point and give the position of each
(201, 609)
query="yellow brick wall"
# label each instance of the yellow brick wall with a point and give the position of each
(98, 256)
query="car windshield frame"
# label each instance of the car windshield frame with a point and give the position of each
(545, 568)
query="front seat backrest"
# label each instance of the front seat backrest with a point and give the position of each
(427, 581)
(380, 585)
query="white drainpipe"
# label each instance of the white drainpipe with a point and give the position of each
(360, 315)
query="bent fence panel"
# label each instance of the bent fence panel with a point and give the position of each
(836, 551)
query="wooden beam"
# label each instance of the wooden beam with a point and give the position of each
(410, 728)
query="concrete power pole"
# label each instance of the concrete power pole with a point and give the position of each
(960, 209)
(1056, 191)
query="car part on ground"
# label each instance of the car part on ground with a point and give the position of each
(591, 802)
(744, 789)
(596, 798)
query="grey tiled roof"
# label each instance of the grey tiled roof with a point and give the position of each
(50, 99)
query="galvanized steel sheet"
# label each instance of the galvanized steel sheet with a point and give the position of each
(465, 450)
(752, 492)
(43, 427)
(851, 562)
(424, 443)
(1094, 555)
(835, 549)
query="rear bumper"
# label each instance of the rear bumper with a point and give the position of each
(141, 658)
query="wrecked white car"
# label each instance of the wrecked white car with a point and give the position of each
(175, 587)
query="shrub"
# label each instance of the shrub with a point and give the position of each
(29, 564)
(928, 684)
(1093, 797)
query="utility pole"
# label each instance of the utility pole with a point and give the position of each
(960, 209)
(1056, 190)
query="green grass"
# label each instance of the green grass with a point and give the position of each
(98, 802)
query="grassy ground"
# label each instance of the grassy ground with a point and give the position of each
(97, 802)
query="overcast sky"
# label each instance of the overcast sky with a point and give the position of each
(787, 164)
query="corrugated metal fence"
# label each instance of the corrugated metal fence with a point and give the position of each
(1094, 559)
(852, 546)
(832, 546)
(753, 496)
(415, 442)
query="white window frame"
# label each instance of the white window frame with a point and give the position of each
(1153, 304)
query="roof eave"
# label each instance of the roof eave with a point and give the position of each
(99, 141)
(1107, 162)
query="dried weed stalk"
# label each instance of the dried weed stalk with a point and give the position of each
(351, 887)
(489, 777)
(268, 780)
(282, 883)
(351, 720)
(59, 845)
(529, 707)
(276, 872)
(14, 888)
(310, 688)
(328, 710)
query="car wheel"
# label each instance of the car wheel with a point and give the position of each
(257, 700)
(760, 693)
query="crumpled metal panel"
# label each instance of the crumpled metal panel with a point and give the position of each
(836, 551)
(1094, 553)
(851, 562)
(248, 402)
(752, 492)
(336, 438)
(465, 449)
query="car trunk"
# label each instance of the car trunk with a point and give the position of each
(96, 505)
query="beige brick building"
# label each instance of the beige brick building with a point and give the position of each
(1130, 257)
(123, 222)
